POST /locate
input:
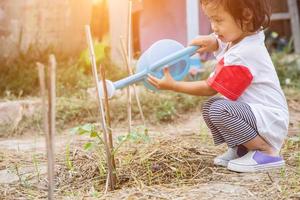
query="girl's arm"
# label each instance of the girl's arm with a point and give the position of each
(198, 88)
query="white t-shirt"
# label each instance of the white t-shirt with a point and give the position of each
(245, 73)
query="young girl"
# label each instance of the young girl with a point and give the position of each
(251, 116)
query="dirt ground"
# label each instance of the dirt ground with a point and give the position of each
(175, 163)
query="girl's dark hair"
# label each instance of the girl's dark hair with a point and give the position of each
(261, 11)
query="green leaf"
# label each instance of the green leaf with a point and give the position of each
(145, 137)
(94, 134)
(99, 49)
(74, 131)
(81, 131)
(88, 146)
(134, 136)
(68, 157)
(87, 127)
(121, 138)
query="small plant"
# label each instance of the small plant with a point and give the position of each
(165, 111)
(36, 167)
(204, 135)
(148, 166)
(96, 143)
(139, 134)
(90, 130)
(16, 169)
(298, 163)
(94, 193)
(283, 172)
(69, 162)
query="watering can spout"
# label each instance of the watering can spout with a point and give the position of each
(110, 88)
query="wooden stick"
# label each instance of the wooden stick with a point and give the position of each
(125, 57)
(51, 118)
(129, 110)
(129, 100)
(107, 111)
(111, 170)
(45, 109)
(129, 36)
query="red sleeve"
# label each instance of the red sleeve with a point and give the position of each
(230, 81)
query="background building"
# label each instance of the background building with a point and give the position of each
(42, 24)
(59, 24)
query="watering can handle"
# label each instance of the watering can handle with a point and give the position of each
(173, 58)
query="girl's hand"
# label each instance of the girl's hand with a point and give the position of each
(207, 43)
(166, 83)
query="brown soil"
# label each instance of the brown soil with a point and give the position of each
(176, 163)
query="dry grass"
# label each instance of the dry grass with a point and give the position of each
(166, 167)
(178, 162)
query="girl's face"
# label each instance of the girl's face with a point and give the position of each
(223, 24)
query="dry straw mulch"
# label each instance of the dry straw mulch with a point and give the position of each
(152, 168)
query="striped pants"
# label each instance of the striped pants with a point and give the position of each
(229, 121)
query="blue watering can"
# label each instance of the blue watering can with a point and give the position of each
(161, 54)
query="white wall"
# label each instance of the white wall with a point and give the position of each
(42, 24)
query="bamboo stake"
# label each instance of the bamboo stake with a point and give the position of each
(46, 121)
(125, 57)
(41, 70)
(129, 110)
(111, 170)
(129, 39)
(107, 111)
(129, 113)
(51, 118)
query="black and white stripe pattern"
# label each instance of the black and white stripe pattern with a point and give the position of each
(229, 121)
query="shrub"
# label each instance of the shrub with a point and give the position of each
(288, 68)
(19, 76)
(165, 111)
